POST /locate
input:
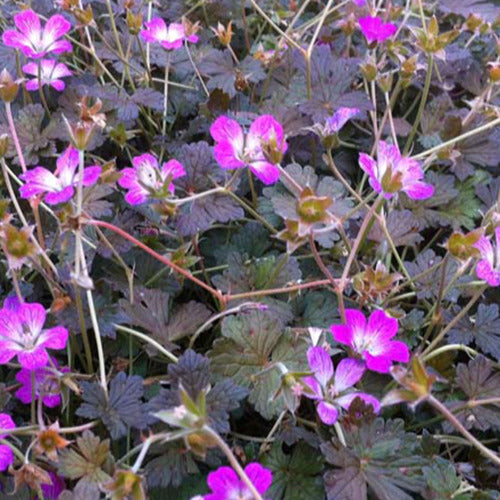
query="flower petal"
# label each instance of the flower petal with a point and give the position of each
(260, 477)
(225, 154)
(6, 457)
(348, 372)
(222, 481)
(346, 401)
(61, 196)
(379, 364)
(156, 31)
(313, 384)
(419, 190)
(265, 171)
(485, 271)
(34, 359)
(320, 364)
(54, 338)
(37, 181)
(56, 27)
(225, 129)
(28, 23)
(327, 413)
(381, 327)
(33, 316)
(91, 175)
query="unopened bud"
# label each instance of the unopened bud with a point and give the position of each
(494, 72)
(223, 33)
(8, 86)
(84, 17)
(4, 145)
(134, 22)
(369, 71)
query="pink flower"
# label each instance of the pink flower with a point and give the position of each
(375, 30)
(146, 180)
(332, 389)
(54, 490)
(372, 341)
(170, 37)
(339, 119)
(59, 186)
(226, 485)
(46, 385)
(258, 149)
(6, 454)
(488, 268)
(392, 173)
(35, 41)
(22, 334)
(51, 73)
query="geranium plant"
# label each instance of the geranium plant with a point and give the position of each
(250, 250)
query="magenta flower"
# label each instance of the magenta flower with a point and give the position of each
(170, 37)
(54, 490)
(488, 268)
(46, 385)
(6, 454)
(226, 485)
(333, 389)
(22, 334)
(392, 173)
(146, 180)
(375, 30)
(372, 340)
(59, 186)
(339, 119)
(35, 41)
(258, 149)
(51, 73)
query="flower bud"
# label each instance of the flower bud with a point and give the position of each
(385, 83)
(84, 17)
(369, 71)
(125, 484)
(4, 145)
(473, 22)
(134, 22)
(224, 34)
(494, 72)
(8, 86)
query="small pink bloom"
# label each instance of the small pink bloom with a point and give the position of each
(392, 173)
(226, 485)
(170, 37)
(59, 186)
(235, 149)
(46, 385)
(372, 340)
(488, 268)
(6, 454)
(51, 73)
(35, 41)
(22, 334)
(146, 180)
(332, 389)
(375, 30)
(339, 119)
(54, 490)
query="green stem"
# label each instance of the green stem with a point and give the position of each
(423, 101)
(460, 428)
(147, 339)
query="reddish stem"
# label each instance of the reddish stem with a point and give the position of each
(15, 138)
(159, 257)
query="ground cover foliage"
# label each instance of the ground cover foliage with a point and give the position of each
(250, 249)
